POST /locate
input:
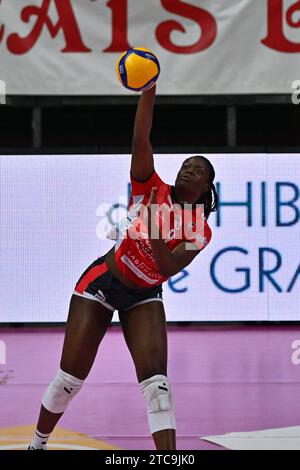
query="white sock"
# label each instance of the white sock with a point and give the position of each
(39, 440)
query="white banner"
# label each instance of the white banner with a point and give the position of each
(70, 47)
(56, 212)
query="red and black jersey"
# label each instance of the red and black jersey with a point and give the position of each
(177, 223)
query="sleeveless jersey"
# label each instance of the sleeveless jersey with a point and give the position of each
(133, 252)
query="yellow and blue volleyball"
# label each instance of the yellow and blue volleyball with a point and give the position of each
(138, 69)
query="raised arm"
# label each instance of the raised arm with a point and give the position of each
(142, 164)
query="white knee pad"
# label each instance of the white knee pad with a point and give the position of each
(158, 396)
(60, 392)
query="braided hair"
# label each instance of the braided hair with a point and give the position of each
(210, 198)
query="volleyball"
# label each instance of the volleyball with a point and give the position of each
(138, 69)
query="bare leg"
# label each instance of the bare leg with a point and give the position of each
(144, 328)
(87, 323)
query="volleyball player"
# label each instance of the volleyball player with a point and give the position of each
(129, 279)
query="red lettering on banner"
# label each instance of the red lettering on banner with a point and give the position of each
(206, 22)
(276, 38)
(1, 30)
(119, 41)
(67, 22)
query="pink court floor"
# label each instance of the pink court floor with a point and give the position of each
(224, 379)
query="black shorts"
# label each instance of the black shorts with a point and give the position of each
(98, 283)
